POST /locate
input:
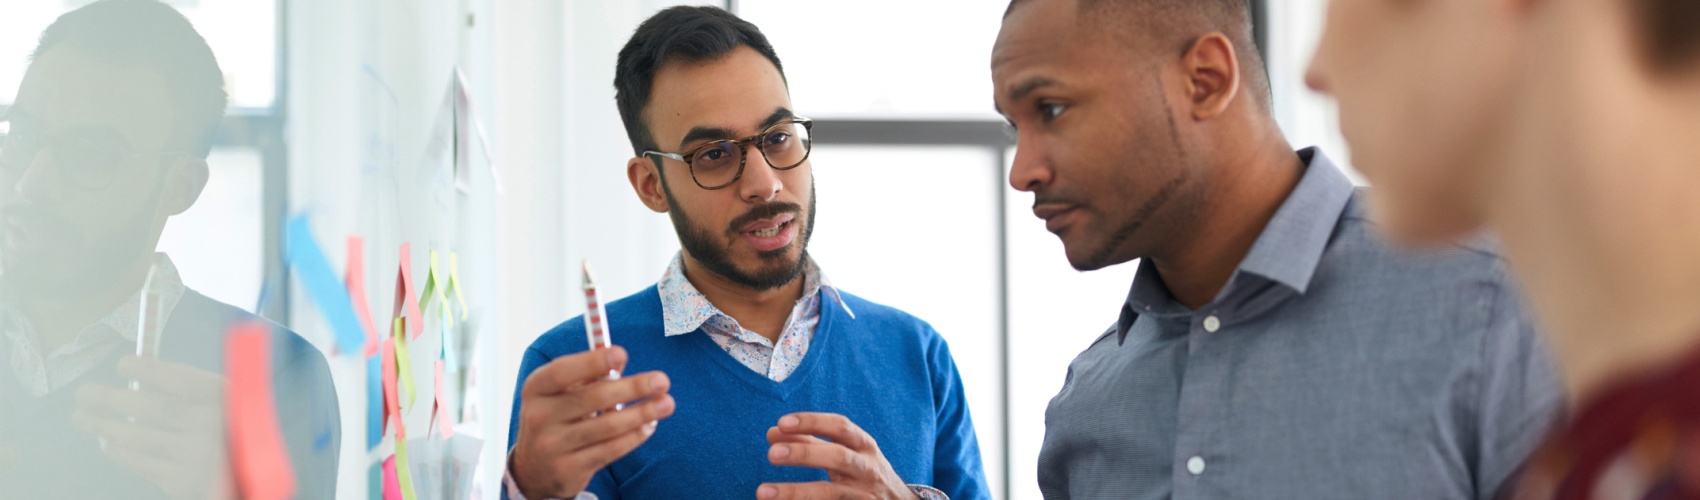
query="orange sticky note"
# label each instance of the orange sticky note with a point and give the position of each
(256, 441)
(443, 419)
(404, 303)
(355, 278)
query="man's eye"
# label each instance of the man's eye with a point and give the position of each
(1050, 111)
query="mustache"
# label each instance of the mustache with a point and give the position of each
(1054, 198)
(760, 212)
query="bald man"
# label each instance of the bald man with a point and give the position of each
(1271, 345)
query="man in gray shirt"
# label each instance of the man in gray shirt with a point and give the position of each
(1271, 346)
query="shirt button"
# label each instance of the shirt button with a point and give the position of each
(1195, 465)
(1211, 324)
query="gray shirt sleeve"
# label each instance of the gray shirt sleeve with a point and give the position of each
(1521, 393)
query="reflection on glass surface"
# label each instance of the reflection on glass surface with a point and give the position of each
(114, 379)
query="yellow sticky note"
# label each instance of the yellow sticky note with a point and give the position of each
(403, 473)
(403, 361)
(454, 281)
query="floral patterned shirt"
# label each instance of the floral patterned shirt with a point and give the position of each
(685, 310)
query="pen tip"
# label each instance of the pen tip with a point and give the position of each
(589, 280)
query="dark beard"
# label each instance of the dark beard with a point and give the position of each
(715, 255)
(91, 268)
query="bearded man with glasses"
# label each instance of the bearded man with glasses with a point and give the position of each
(777, 384)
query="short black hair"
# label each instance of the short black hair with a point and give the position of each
(157, 37)
(1669, 33)
(683, 33)
(1181, 22)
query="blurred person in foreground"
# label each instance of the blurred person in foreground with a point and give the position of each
(1572, 129)
(106, 140)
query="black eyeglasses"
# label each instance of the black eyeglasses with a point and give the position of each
(86, 159)
(718, 164)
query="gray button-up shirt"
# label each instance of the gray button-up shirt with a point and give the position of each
(1330, 366)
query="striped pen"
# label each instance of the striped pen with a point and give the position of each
(595, 324)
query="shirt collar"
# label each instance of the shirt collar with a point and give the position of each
(684, 309)
(43, 372)
(1287, 252)
(1291, 245)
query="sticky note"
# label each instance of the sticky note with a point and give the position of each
(466, 112)
(434, 285)
(374, 401)
(448, 342)
(375, 481)
(404, 304)
(392, 484)
(355, 278)
(392, 401)
(456, 283)
(443, 405)
(262, 467)
(315, 272)
(403, 472)
(403, 361)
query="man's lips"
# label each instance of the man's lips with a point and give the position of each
(770, 234)
(1055, 215)
(768, 223)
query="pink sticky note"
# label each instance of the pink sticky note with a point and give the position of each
(392, 485)
(404, 302)
(392, 399)
(256, 441)
(355, 278)
(443, 419)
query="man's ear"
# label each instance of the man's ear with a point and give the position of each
(1213, 76)
(183, 185)
(646, 181)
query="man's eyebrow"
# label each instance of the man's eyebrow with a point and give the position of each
(704, 133)
(779, 114)
(1022, 90)
(717, 133)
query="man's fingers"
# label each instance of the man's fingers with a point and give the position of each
(537, 412)
(151, 407)
(602, 396)
(589, 432)
(599, 455)
(776, 436)
(835, 459)
(136, 438)
(177, 380)
(567, 372)
(836, 428)
(820, 490)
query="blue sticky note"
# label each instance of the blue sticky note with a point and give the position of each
(451, 350)
(374, 402)
(310, 264)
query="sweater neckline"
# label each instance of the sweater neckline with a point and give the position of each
(781, 390)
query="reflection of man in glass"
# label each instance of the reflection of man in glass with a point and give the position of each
(108, 137)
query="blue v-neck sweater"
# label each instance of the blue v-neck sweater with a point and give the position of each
(887, 371)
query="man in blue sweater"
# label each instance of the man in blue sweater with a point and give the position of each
(786, 387)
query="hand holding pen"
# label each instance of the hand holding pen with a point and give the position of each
(571, 423)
